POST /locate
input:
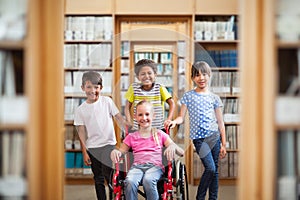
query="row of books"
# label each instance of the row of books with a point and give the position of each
(217, 58)
(225, 82)
(211, 29)
(88, 28)
(181, 51)
(288, 164)
(13, 19)
(12, 163)
(13, 103)
(71, 138)
(11, 72)
(287, 18)
(228, 166)
(87, 55)
(73, 82)
(232, 136)
(158, 57)
(231, 110)
(74, 164)
(70, 106)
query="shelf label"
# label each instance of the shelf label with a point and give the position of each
(287, 110)
(229, 117)
(13, 186)
(14, 110)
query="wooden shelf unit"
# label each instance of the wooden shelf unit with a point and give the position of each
(132, 11)
(42, 82)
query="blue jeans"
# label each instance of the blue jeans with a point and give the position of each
(148, 175)
(208, 150)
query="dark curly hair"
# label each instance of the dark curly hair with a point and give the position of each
(142, 63)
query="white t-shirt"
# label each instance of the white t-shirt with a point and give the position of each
(97, 118)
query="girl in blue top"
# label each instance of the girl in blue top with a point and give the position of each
(207, 128)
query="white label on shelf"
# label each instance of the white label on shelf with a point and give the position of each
(68, 144)
(77, 144)
(87, 171)
(287, 110)
(13, 109)
(221, 89)
(228, 117)
(13, 186)
(236, 90)
(287, 187)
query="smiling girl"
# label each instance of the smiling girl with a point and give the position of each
(207, 128)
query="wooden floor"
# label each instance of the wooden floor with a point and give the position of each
(87, 192)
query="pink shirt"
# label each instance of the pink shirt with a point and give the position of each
(145, 150)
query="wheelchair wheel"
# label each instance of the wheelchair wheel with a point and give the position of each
(182, 188)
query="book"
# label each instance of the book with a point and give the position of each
(69, 162)
(69, 137)
(78, 163)
(223, 167)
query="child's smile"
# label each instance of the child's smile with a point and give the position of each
(92, 91)
(146, 76)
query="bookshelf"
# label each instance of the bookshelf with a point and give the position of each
(171, 23)
(153, 37)
(287, 100)
(87, 47)
(26, 98)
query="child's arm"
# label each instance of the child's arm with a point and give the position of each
(82, 138)
(117, 153)
(121, 121)
(221, 125)
(127, 112)
(179, 119)
(171, 103)
(172, 149)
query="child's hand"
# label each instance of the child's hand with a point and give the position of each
(115, 155)
(128, 124)
(166, 124)
(86, 159)
(222, 152)
(179, 151)
(170, 152)
(169, 124)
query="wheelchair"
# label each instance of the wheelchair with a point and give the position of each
(172, 185)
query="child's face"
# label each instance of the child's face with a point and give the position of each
(144, 115)
(146, 76)
(92, 91)
(201, 80)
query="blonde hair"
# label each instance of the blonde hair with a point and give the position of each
(153, 129)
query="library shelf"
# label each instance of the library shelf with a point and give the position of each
(79, 180)
(12, 44)
(222, 55)
(223, 181)
(13, 126)
(101, 69)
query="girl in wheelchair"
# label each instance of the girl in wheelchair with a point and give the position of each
(147, 144)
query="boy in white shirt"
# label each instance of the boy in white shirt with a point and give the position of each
(94, 122)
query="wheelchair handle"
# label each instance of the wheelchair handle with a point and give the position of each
(116, 186)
